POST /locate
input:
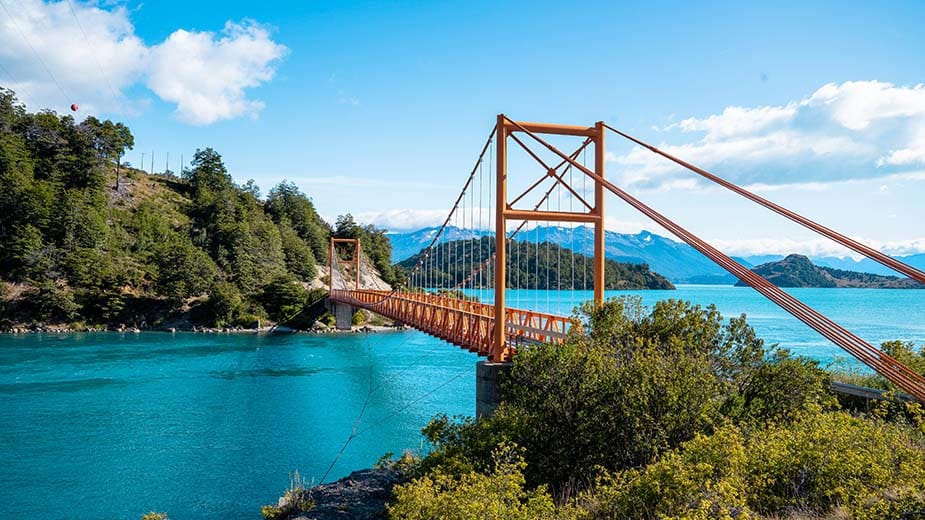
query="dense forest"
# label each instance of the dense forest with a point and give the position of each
(531, 266)
(91, 241)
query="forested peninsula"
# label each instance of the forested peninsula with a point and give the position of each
(90, 241)
(530, 266)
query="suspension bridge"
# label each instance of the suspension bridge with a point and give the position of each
(460, 290)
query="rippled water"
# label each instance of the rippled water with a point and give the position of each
(109, 426)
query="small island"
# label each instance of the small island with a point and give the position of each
(799, 271)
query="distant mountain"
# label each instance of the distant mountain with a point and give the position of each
(799, 271)
(677, 261)
(406, 245)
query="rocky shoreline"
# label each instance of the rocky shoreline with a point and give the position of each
(361, 495)
(63, 329)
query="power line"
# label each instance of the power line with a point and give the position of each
(37, 55)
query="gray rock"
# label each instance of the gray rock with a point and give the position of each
(361, 495)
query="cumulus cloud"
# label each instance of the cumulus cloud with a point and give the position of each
(47, 59)
(206, 74)
(57, 53)
(853, 130)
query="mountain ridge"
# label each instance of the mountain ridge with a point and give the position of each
(677, 261)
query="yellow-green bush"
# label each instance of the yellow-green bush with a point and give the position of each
(474, 496)
(701, 480)
(817, 465)
(831, 459)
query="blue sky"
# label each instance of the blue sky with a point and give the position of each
(379, 108)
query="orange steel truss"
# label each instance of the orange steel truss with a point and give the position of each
(464, 323)
(501, 346)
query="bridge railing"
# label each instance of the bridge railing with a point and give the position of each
(465, 323)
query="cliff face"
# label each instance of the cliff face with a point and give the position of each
(799, 271)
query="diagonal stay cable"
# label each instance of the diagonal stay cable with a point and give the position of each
(896, 372)
(848, 242)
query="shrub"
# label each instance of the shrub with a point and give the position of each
(296, 500)
(476, 496)
(817, 465)
(283, 297)
(831, 459)
(49, 303)
(225, 304)
(640, 383)
(359, 318)
(703, 479)
(328, 319)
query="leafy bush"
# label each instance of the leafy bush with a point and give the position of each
(283, 297)
(52, 304)
(328, 319)
(817, 465)
(831, 459)
(358, 319)
(628, 385)
(225, 304)
(498, 495)
(703, 479)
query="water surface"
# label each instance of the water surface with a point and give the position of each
(109, 426)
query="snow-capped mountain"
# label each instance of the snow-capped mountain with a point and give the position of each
(677, 261)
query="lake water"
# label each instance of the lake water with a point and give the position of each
(110, 426)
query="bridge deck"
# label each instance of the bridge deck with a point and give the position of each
(464, 323)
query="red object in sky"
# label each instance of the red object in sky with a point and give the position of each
(74, 107)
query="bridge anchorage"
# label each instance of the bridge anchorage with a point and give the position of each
(461, 285)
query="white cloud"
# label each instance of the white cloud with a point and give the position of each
(206, 74)
(91, 71)
(52, 56)
(403, 219)
(812, 247)
(855, 130)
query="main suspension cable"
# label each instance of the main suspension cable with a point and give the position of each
(848, 242)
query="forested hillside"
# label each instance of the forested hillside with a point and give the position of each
(89, 242)
(532, 266)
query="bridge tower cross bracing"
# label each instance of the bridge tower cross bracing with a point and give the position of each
(504, 212)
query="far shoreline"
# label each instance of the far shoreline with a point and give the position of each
(264, 331)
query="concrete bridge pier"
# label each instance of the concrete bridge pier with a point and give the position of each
(343, 315)
(488, 377)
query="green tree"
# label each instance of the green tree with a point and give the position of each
(184, 270)
(282, 298)
(287, 203)
(225, 304)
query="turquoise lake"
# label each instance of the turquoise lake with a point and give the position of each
(110, 426)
